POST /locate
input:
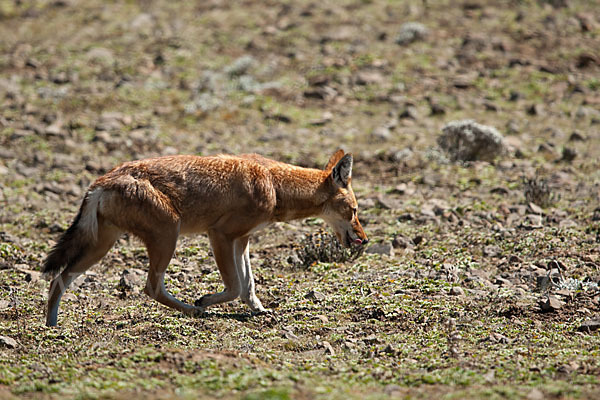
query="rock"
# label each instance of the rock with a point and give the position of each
(551, 304)
(567, 223)
(4, 305)
(584, 111)
(368, 77)
(533, 221)
(290, 335)
(383, 248)
(32, 276)
(409, 112)
(130, 279)
(328, 348)
(325, 119)
(457, 291)
(402, 242)
(499, 338)
(388, 203)
(435, 106)
(469, 141)
(8, 342)
(315, 296)
(322, 318)
(577, 137)
(568, 154)
(389, 349)
(411, 32)
(542, 282)
(143, 24)
(492, 251)
(381, 133)
(536, 394)
(403, 155)
(240, 66)
(536, 109)
(589, 325)
(535, 209)
(101, 55)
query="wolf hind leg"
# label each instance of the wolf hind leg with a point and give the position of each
(90, 255)
(160, 251)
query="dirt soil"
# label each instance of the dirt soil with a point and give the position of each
(481, 279)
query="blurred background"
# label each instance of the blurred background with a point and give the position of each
(475, 127)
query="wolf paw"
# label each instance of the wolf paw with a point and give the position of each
(194, 311)
(264, 311)
(201, 301)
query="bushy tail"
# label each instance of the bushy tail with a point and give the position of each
(82, 234)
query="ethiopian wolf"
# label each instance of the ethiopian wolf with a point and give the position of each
(227, 197)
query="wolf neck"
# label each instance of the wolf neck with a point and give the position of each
(301, 192)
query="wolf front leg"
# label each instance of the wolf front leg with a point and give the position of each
(242, 261)
(224, 251)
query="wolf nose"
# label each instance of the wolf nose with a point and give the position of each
(365, 241)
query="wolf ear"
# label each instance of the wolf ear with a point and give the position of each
(337, 156)
(342, 172)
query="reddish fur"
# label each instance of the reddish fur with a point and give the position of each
(226, 196)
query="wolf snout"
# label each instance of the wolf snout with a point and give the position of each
(361, 241)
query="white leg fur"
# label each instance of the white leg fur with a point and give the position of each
(242, 257)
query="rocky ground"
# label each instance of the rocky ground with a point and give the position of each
(481, 279)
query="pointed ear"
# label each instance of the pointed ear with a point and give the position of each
(342, 172)
(334, 159)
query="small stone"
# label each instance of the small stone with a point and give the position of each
(409, 112)
(240, 66)
(568, 154)
(411, 32)
(143, 24)
(551, 304)
(402, 242)
(383, 248)
(402, 156)
(589, 325)
(32, 276)
(492, 251)
(290, 335)
(577, 137)
(457, 291)
(542, 282)
(325, 119)
(315, 296)
(4, 305)
(328, 348)
(368, 77)
(389, 349)
(8, 342)
(567, 223)
(131, 278)
(101, 55)
(533, 220)
(381, 133)
(322, 318)
(535, 209)
(499, 338)
(536, 394)
(387, 203)
(536, 109)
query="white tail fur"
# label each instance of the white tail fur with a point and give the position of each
(89, 216)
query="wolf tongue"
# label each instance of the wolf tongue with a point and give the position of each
(357, 241)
